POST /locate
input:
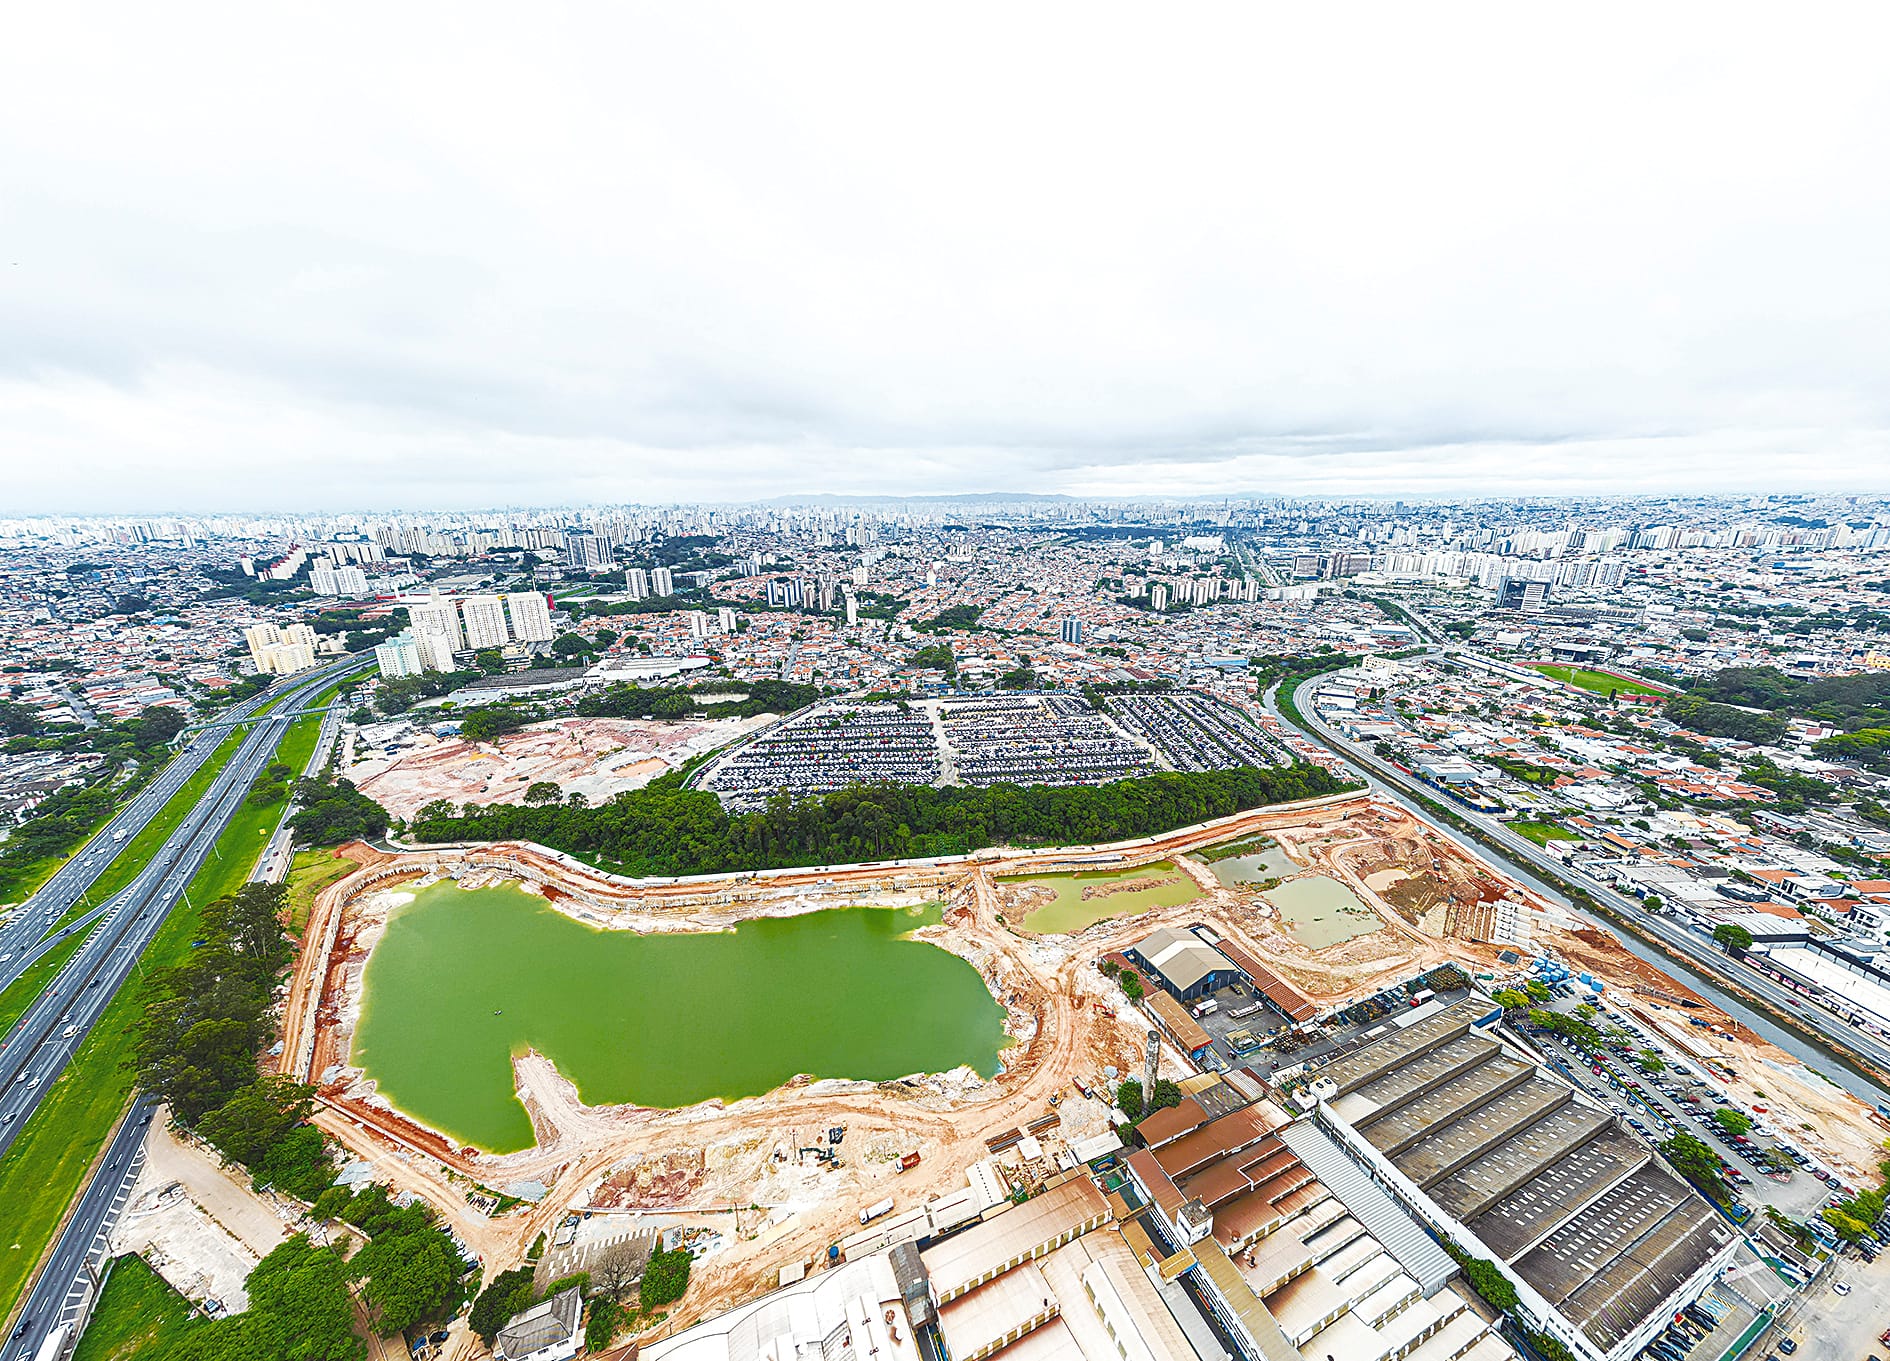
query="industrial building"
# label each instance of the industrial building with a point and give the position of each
(1186, 966)
(1474, 1136)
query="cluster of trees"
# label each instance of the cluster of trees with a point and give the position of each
(362, 634)
(409, 1270)
(299, 1310)
(664, 829)
(1724, 720)
(1869, 747)
(665, 1279)
(1132, 1102)
(936, 657)
(1852, 1218)
(1289, 669)
(1855, 703)
(334, 811)
(264, 1126)
(270, 785)
(1732, 939)
(1692, 1159)
(717, 699)
(495, 720)
(953, 617)
(397, 694)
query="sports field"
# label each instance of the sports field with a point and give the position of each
(1598, 681)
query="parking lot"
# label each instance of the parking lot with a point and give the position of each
(1248, 1038)
(1657, 1106)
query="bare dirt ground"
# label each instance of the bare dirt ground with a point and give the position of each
(719, 1163)
(596, 757)
(199, 1227)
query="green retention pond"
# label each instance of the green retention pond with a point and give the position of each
(464, 979)
(1320, 911)
(1086, 898)
(1249, 862)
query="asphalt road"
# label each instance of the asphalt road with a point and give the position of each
(40, 1045)
(60, 1293)
(74, 879)
(1522, 855)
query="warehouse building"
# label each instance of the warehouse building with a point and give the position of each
(1475, 1137)
(1186, 966)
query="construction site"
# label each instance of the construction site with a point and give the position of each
(782, 1176)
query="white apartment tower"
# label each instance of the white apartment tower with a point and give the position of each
(441, 617)
(661, 582)
(531, 617)
(484, 619)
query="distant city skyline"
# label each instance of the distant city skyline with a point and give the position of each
(722, 255)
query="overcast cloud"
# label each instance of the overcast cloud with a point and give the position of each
(332, 257)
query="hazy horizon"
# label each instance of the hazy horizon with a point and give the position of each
(265, 260)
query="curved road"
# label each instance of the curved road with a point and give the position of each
(1520, 856)
(40, 1046)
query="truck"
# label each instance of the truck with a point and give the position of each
(1421, 996)
(907, 1163)
(119, 835)
(1207, 1008)
(876, 1210)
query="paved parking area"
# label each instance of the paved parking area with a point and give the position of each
(1798, 1194)
(1831, 1327)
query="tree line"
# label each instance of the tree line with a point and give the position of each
(195, 1047)
(665, 829)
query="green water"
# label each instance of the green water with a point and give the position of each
(466, 978)
(1071, 911)
(1321, 911)
(1251, 869)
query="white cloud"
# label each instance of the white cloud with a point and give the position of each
(256, 257)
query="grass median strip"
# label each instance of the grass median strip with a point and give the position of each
(44, 1169)
(137, 852)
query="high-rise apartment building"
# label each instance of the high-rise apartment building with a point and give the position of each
(531, 616)
(484, 621)
(661, 582)
(400, 656)
(281, 651)
(725, 619)
(698, 624)
(1071, 631)
(636, 583)
(441, 617)
(587, 550)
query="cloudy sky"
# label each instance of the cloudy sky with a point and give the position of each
(338, 256)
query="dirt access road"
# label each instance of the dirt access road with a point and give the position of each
(1066, 1021)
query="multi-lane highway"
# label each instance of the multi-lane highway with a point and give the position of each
(73, 880)
(40, 1046)
(59, 1300)
(1530, 863)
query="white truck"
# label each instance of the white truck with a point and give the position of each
(875, 1210)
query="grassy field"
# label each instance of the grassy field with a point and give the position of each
(1542, 833)
(312, 872)
(46, 1165)
(1600, 682)
(138, 1313)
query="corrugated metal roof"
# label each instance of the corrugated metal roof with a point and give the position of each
(1423, 1259)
